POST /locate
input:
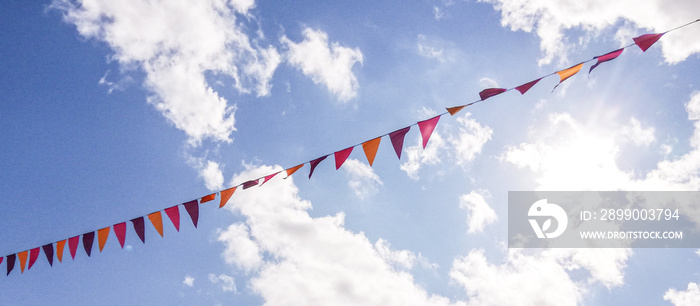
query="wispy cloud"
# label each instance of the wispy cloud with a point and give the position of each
(480, 213)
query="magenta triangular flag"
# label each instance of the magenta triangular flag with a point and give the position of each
(73, 245)
(397, 139)
(267, 178)
(341, 156)
(11, 263)
(606, 57)
(249, 184)
(645, 41)
(525, 87)
(315, 163)
(120, 232)
(426, 128)
(174, 215)
(139, 228)
(88, 238)
(490, 92)
(48, 251)
(33, 256)
(192, 208)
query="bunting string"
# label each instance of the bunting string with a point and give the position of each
(28, 258)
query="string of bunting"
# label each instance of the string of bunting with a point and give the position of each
(426, 127)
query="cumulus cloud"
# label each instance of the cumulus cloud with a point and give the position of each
(240, 249)
(637, 134)
(550, 19)
(690, 296)
(363, 181)
(330, 65)
(176, 43)
(316, 261)
(212, 175)
(416, 156)
(189, 281)
(226, 282)
(480, 213)
(470, 139)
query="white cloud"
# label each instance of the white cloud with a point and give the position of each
(427, 50)
(637, 134)
(550, 19)
(480, 213)
(227, 283)
(470, 139)
(189, 281)
(212, 175)
(415, 156)
(329, 65)
(363, 181)
(402, 258)
(175, 43)
(487, 82)
(689, 297)
(316, 261)
(240, 249)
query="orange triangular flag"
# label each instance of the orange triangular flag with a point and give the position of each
(291, 170)
(102, 235)
(454, 110)
(157, 221)
(370, 147)
(22, 259)
(207, 198)
(59, 250)
(225, 195)
(567, 73)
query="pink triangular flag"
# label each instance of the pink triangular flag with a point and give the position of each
(397, 139)
(341, 156)
(606, 57)
(73, 245)
(269, 177)
(315, 163)
(645, 41)
(120, 232)
(426, 128)
(174, 215)
(33, 255)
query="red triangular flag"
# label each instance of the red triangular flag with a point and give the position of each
(341, 156)
(33, 256)
(249, 184)
(426, 128)
(139, 228)
(490, 92)
(315, 163)
(525, 87)
(1, 259)
(606, 57)
(10, 263)
(22, 259)
(207, 198)
(192, 208)
(48, 251)
(120, 232)
(645, 41)
(225, 195)
(397, 139)
(73, 245)
(174, 215)
(88, 239)
(267, 178)
(370, 147)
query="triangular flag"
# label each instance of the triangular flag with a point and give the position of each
(426, 128)
(10, 263)
(370, 147)
(48, 251)
(249, 184)
(397, 139)
(88, 239)
(208, 198)
(341, 156)
(157, 221)
(225, 195)
(606, 57)
(192, 208)
(268, 177)
(174, 215)
(73, 245)
(139, 228)
(120, 232)
(1, 259)
(291, 170)
(645, 41)
(567, 73)
(525, 87)
(454, 110)
(22, 259)
(315, 163)
(59, 250)
(33, 256)
(490, 92)
(102, 235)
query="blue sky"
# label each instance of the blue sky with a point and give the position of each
(115, 110)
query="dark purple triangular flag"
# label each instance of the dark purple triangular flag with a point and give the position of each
(490, 92)
(192, 208)
(139, 228)
(525, 87)
(315, 163)
(250, 183)
(397, 139)
(88, 239)
(11, 262)
(606, 57)
(48, 251)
